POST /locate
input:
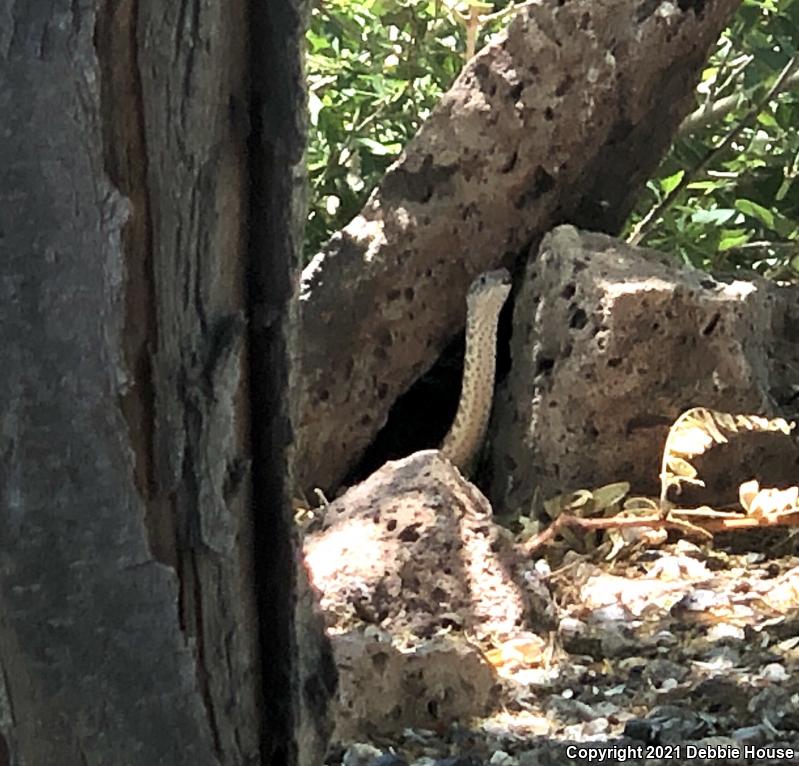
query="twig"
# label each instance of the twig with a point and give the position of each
(765, 245)
(654, 521)
(475, 20)
(734, 69)
(699, 523)
(645, 225)
(510, 8)
(717, 110)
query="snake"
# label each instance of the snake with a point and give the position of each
(484, 300)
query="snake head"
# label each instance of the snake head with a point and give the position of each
(488, 292)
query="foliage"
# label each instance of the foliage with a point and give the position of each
(376, 68)
(742, 211)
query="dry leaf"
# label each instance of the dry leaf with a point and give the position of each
(640, 504)
(772, 502)
(527, 650)
(747, 493)
(610, 495)
(696, 431)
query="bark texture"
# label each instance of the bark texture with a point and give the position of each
(298, 670)
(128, 631)
(561, 120)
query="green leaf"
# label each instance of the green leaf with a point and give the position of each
(705, 185)
(671, 182)
(718, 216)
(767, 119)
(375, 147)
(731, 238)
(750, 208)
(365, 107)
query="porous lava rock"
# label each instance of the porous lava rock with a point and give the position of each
(610, 344)
(413, 576)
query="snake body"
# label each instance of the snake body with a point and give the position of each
(486, 296)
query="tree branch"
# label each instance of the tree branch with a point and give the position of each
(716, 111)
(647, 223)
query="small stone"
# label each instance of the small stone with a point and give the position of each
(665, 639)
(728, 743)
(720, 658)
(774, 672)
(688, 548)
(617, 641)
(388, 759)
(641, 730)
(571, 628)
(360, 754)
(634, 664)
(666, 724)
(773, 703)
(750, 735)
(660, 671)
(596, 726)
(725, 630)
(610, 613)
(459, 760)
(501, 758)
